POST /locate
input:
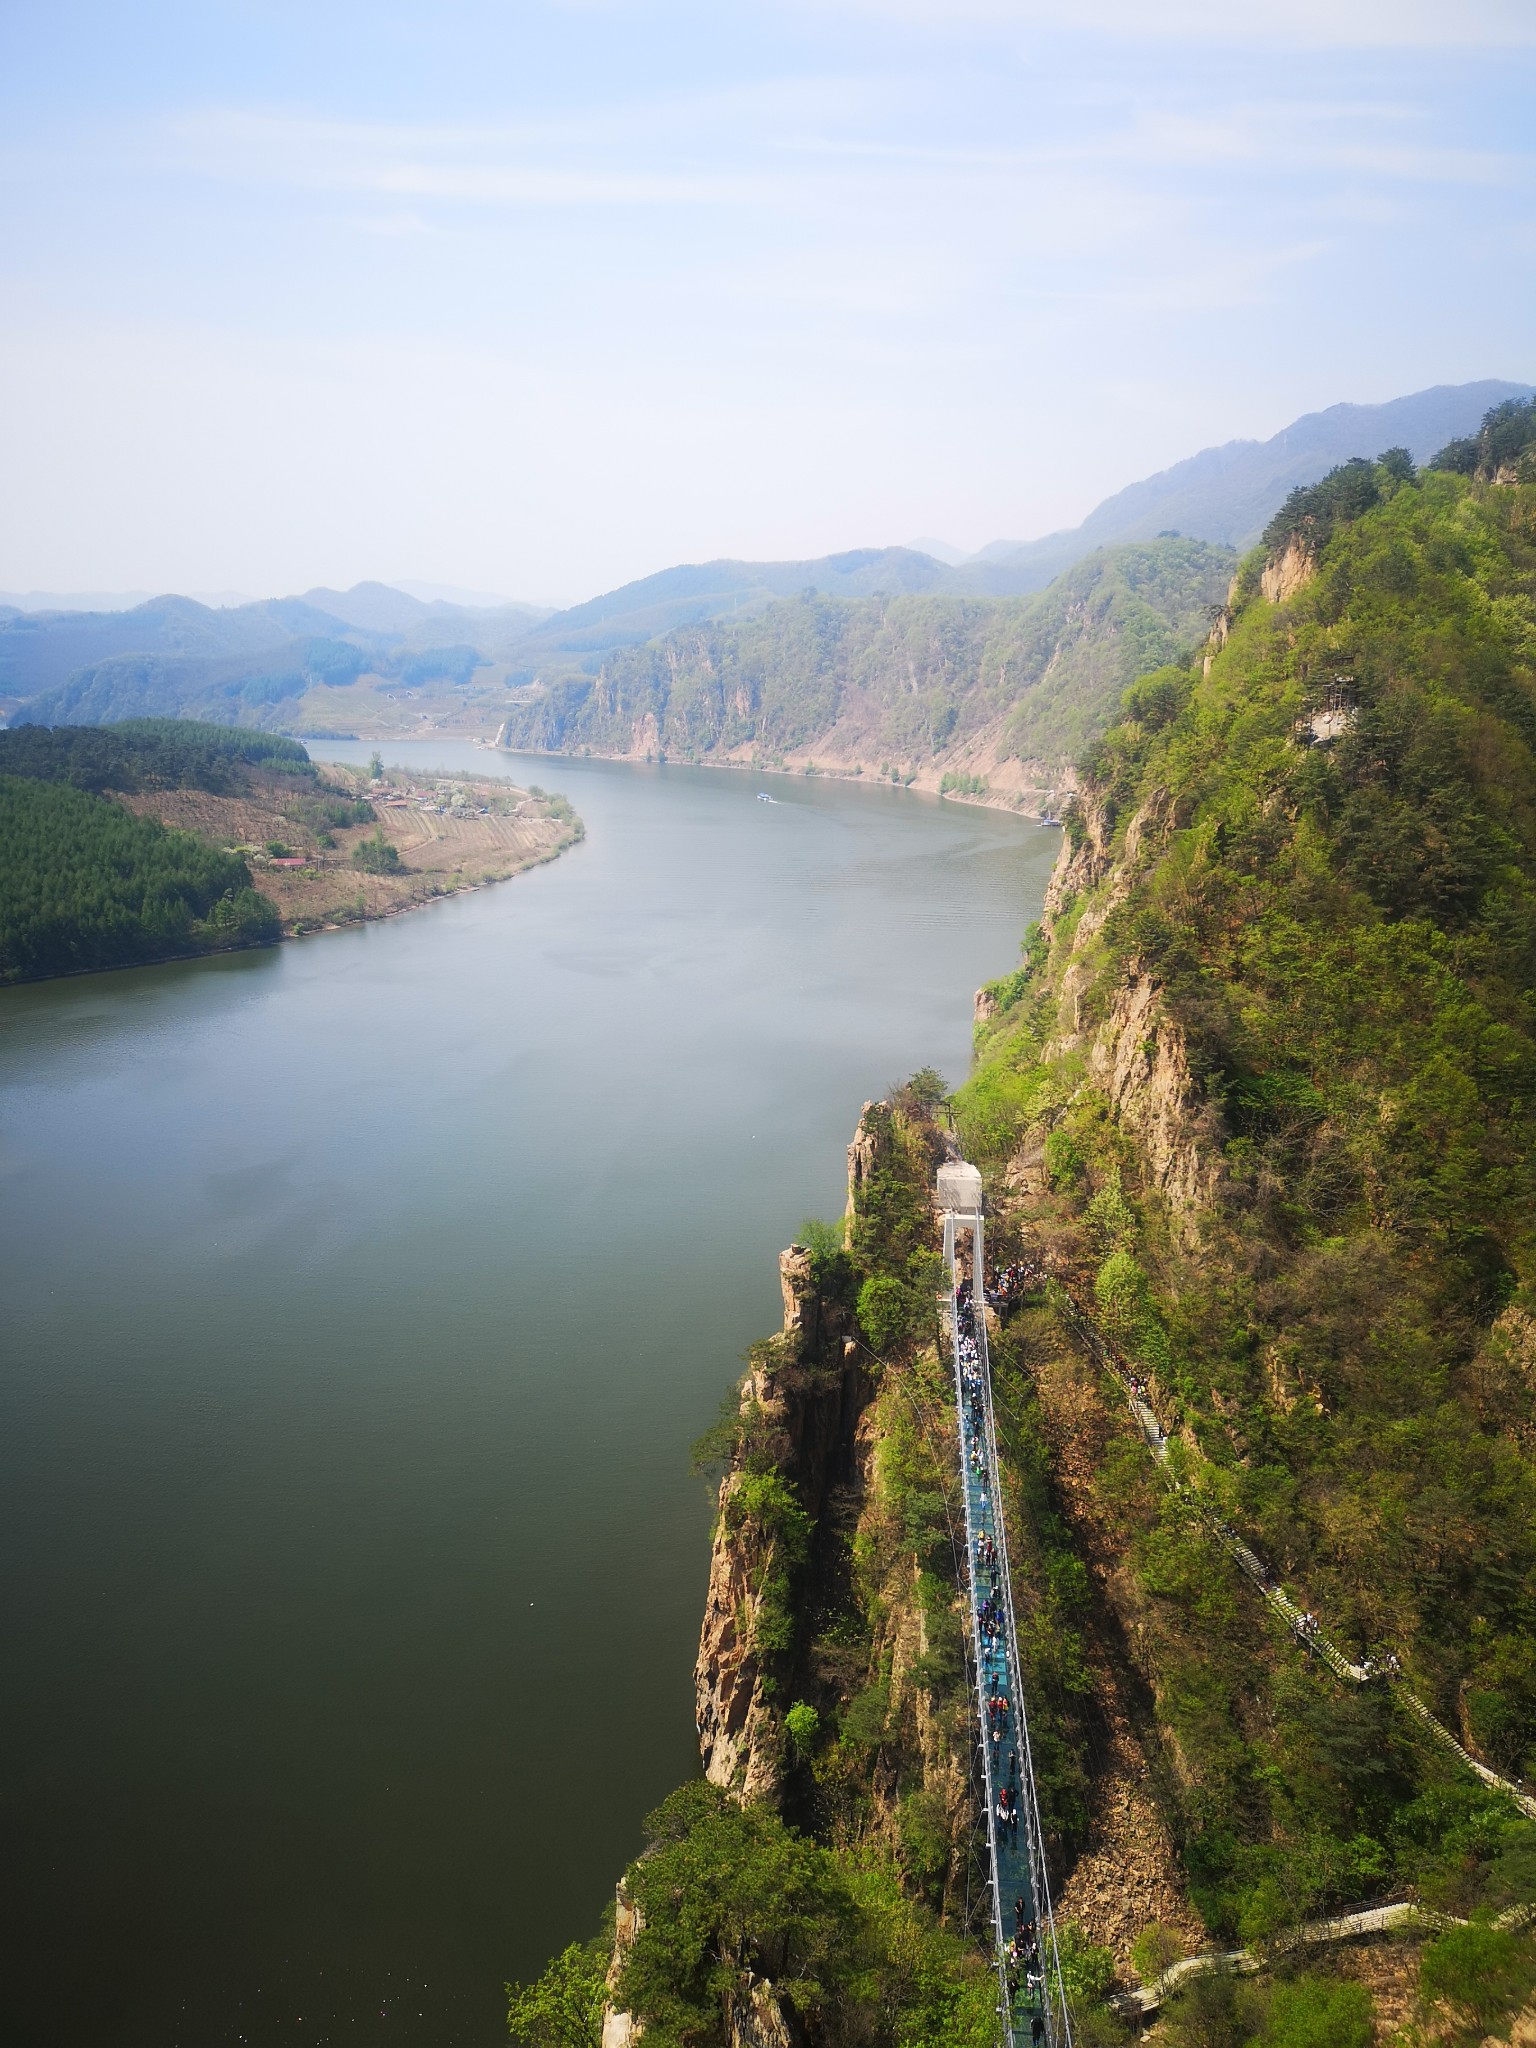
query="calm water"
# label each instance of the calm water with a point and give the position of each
(362, 1298)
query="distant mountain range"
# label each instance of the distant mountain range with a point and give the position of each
(1229, 493)
(253, 661)
(980, 695)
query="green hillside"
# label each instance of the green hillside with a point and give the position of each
(906, 679)
(148, 753)
(1269, 1073)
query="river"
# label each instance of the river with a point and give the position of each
(362, 1298)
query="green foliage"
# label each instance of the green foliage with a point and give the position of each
(1340, 933)
(1155, 700)
(85, 884)
(831, 1267)
(1052, 1600)
(1481, 1972)
(147, 753)
(727, 1892)
(243, 687)
(1065, 1165)
(330, 810)
(452, 665)
(765, 1505)
(1087, 1968)
(1305, 2011)
(802, 1724)
(1505, 441)
(866, 1718)
(885, 1310)
(1207, 2013)
(377, 855)
(923, 1095)
(563, 2008)
(923, 1825)
(1155, 1949)
(1123, 1290)
(1317, 2012)
(1110, 1218)
(725, 1887)
(1312, 512)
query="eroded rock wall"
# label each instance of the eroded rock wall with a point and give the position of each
(805, 1393)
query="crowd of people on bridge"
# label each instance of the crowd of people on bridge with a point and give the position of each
(1023, 1962)
(1021, 1956)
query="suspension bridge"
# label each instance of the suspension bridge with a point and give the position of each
(1032, 2003)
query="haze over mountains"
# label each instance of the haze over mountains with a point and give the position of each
(1229, 493)
(329, 660)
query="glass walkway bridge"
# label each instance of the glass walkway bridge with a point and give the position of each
(1032, 2005)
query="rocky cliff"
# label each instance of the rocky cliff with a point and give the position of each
(800, 1406)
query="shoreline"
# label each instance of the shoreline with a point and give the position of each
(298, 930)
(808, 770)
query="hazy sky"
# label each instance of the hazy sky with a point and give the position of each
(539, 297)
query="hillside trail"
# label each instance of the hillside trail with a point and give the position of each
(1301, 1622)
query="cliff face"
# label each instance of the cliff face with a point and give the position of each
(991, 699)
(804, 1394)
(828, 1418)
(1288, 571)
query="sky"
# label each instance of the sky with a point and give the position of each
(536, 298)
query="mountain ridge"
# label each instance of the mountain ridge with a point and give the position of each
(56, 663)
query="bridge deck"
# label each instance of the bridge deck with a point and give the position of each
(1032, 2001)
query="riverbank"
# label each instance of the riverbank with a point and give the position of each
(976, 774)
(428, 836)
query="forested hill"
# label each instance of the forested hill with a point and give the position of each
(86, 884)
(997, 691)
(1264, 1099)
(149, 753)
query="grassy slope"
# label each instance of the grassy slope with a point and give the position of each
(1342, 941)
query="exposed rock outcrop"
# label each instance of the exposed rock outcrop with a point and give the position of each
(1136, 1052)
(864, 1152)
(757, 2020)
(1284, 574)
(804, 1393)
(1084, 858)
(1140, 1058)
(621, 2029)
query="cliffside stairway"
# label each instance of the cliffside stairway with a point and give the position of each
(1032, 2006)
